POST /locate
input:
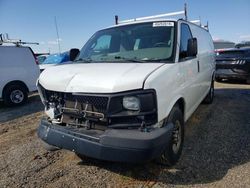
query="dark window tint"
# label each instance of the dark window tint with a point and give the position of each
(185, 36)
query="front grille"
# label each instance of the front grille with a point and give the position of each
(98, 111)
(99, 103)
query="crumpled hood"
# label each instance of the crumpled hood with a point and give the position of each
(96, 77)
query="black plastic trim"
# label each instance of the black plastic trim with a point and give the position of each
(113, 144)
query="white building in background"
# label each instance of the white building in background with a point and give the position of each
(222, 44)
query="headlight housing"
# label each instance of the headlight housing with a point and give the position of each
(133, 108)
(131, 103)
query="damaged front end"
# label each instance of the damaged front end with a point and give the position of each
(100, 111)
(116, 127)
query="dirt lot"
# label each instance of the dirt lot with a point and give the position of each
(216, 151)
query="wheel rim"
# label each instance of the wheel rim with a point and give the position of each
(176, 139)
(16, 96)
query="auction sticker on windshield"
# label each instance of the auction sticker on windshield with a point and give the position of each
(163, 24)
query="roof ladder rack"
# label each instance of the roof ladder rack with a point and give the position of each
(4, 38)
(183, 12)
(206, 26)
(198, 22)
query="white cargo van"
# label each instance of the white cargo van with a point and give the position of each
(129, 91)
(18, 74)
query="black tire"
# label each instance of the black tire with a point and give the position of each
(210, 96)
(172, 152)
(15, 95)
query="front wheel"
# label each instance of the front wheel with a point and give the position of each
(172, 152)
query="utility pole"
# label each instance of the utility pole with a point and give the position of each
(185, 10)
(58, 39)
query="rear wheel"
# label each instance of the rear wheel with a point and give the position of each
(15, 95)
(210, 96)
(172, 152)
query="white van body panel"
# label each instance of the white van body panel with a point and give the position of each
(45, 66)
(18, 64)
(96, 77)
(205, 56)
(168, 90)
(182, 80)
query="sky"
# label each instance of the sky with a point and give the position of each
(78, 20)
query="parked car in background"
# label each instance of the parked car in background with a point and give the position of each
(243, 44)
(129, 91)
(41, 58)
(54, 59)
(18, 74)
(233, 64)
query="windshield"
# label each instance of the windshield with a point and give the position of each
(138, 42)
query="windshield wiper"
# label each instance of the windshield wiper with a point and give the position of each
(84, 60)
(130, 59)
(157, 60)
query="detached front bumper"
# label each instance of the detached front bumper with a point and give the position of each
(113, 144)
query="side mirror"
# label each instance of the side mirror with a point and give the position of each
(192, 47)
(73, 53)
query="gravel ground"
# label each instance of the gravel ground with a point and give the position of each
(216, 151)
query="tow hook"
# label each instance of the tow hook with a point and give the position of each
(143, 127)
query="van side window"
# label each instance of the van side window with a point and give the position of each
(185, 36)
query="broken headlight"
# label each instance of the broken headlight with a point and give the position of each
(131, 103)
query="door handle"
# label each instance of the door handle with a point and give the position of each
(198, 66)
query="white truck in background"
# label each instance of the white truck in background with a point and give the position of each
(18, 72)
